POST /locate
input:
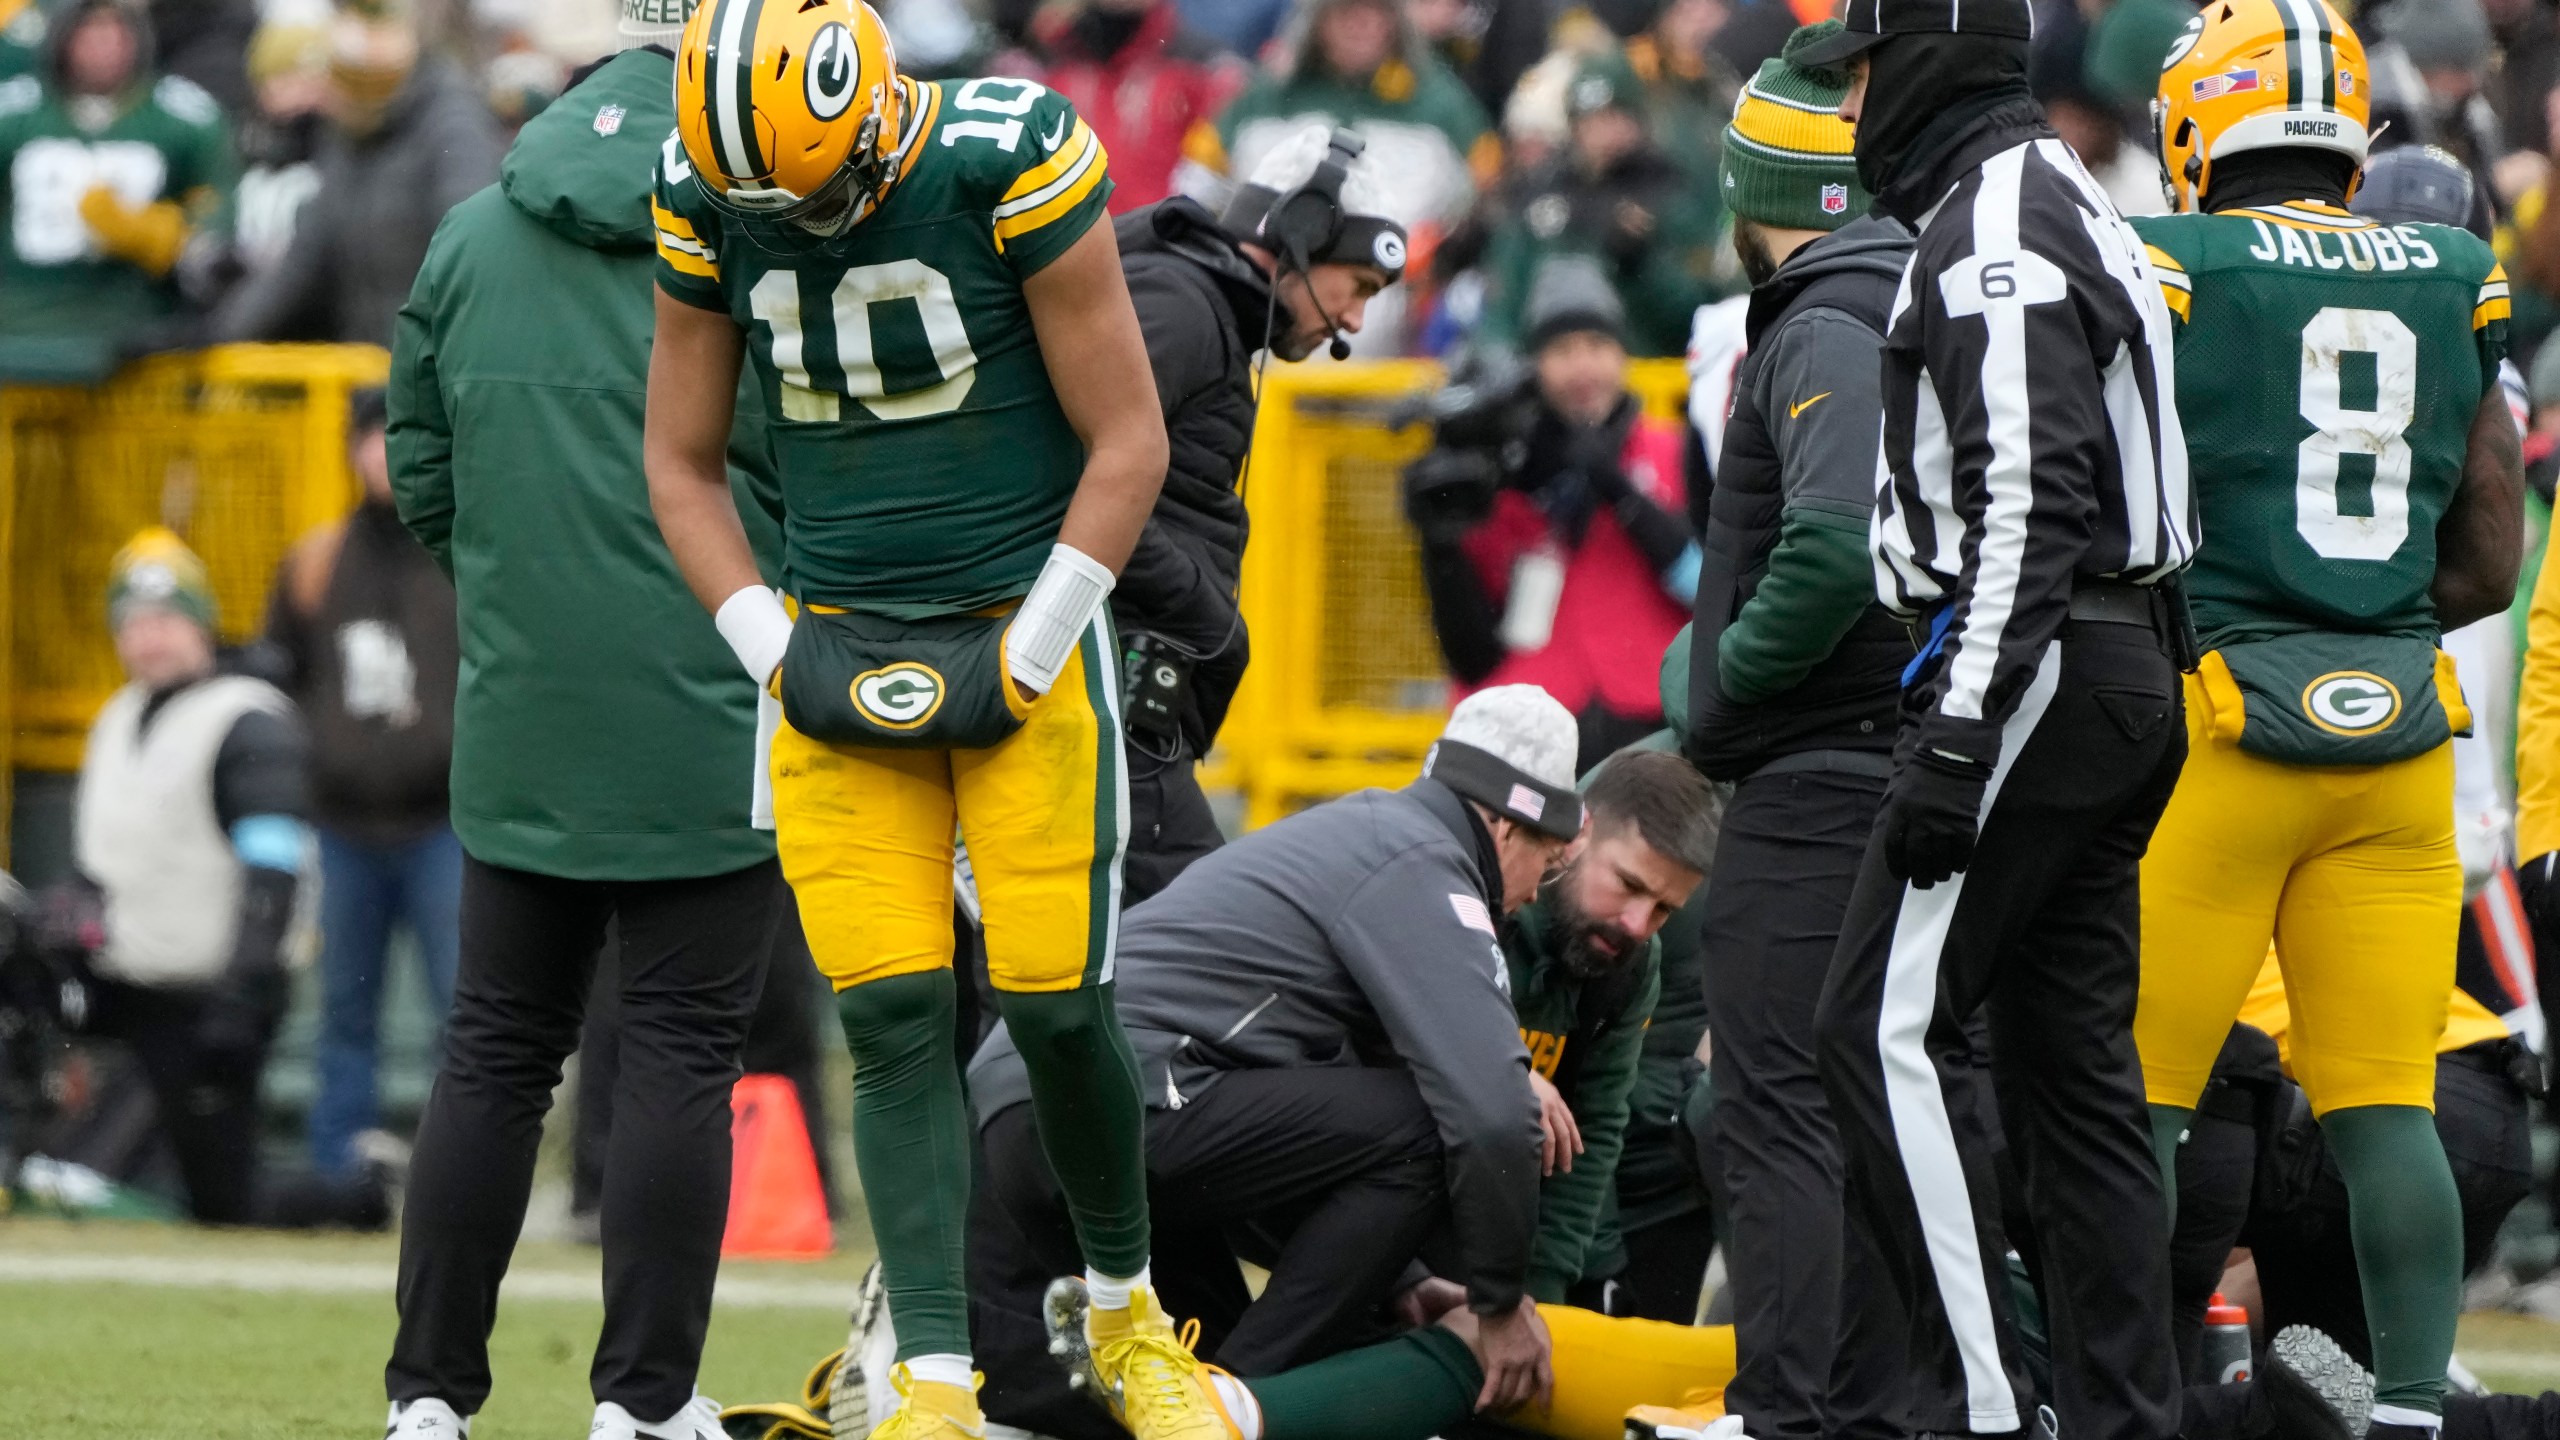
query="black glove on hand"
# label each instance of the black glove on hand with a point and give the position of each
(1932, 815)
(238, 1024)
(1449, 492)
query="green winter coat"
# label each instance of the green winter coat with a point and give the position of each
(603, 730)
(1586, 1037)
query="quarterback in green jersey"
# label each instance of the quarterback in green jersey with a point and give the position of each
(969, 442)
(2358, 484)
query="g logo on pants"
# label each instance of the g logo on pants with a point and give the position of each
(2351, 702)
(900, 696)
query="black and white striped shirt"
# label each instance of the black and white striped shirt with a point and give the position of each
(2030, 426)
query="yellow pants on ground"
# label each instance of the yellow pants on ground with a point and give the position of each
(2349, 870)
(866, 840)
(1606, 1366)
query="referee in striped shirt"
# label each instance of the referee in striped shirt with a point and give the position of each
(2032, 497)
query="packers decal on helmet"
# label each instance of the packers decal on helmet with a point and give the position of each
(2251, 74)
(791, 109)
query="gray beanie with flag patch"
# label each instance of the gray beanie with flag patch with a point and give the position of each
(1788, 156)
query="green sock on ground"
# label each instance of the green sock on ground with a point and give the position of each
(2168, 1122)
(1410, 1388)
(911, 1145)
(2406, 1218)
(1093, 1124)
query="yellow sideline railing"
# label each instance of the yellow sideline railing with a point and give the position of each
(242, 448)
(1347, 687)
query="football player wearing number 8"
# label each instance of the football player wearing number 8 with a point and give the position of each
(2358, 482)
(969, 444)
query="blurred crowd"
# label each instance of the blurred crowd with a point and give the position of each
(184, 171)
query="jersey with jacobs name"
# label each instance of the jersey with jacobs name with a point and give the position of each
(2329, 369)
(925, 461)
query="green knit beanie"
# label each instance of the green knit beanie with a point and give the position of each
(1788, 158)
(156, 569)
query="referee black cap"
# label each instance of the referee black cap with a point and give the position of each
(1865, 22)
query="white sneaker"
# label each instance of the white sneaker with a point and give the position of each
(698, 1420)
(428, 1419)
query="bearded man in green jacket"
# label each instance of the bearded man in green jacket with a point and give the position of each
(604, 759)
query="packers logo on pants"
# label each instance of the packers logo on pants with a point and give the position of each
(900, 696)
(2351, 702)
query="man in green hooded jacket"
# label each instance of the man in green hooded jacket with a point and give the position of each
(604, 759)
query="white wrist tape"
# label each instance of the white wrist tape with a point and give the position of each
(757, 628)
(1053, 617)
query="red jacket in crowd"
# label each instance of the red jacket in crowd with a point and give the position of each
(1141, 98)
(1614, 618)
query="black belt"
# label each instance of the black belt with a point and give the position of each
(1873, 764)
(2113, 602)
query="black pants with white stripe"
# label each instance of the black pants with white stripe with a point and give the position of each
(2041, 935)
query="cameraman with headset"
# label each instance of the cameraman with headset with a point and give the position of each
(1291, 265)
(1556, 547)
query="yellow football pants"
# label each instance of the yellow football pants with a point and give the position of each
(866, 840)
(1606, 1366)
(2350, 870)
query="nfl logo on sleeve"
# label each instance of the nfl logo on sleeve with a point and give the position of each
(1835, 199)
(609, 120)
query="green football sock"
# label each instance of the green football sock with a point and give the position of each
(1093, 1125)
(1410, 1388)
(2406, 1218)
(911, 1145)
(2168, 1123)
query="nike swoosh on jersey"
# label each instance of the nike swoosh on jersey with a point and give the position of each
(1802, 406)
(1050, 141)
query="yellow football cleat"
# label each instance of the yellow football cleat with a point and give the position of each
(1145, 1374)
(928, 1410)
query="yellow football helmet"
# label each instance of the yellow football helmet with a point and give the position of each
(790, 109)
(2249, 74)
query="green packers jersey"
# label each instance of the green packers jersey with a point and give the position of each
(2329, 369)
(164, 143)
(926, 464)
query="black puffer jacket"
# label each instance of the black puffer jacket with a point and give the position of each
(1205, 310)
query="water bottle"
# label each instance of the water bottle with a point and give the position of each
(2226, 1341)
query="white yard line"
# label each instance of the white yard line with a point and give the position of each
(319, 1277)
(2542, 1365)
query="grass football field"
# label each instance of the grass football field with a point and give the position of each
(147, 1332)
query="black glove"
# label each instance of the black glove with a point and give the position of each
(1449, 492)
(237, 1025)
(1932, 815)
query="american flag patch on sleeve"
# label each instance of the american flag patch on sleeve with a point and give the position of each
(1472, 914)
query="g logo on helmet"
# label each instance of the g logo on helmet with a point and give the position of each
(2185, 44)
(901, 696)
(830, 71)
(1389, 248)
(2351, 702)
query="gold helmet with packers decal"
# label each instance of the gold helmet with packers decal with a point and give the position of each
(2253, 74)
(790, 109)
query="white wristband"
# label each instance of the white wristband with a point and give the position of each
(757, 628)
(1045, 630)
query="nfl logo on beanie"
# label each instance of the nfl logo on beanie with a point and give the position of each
(1789, 158)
